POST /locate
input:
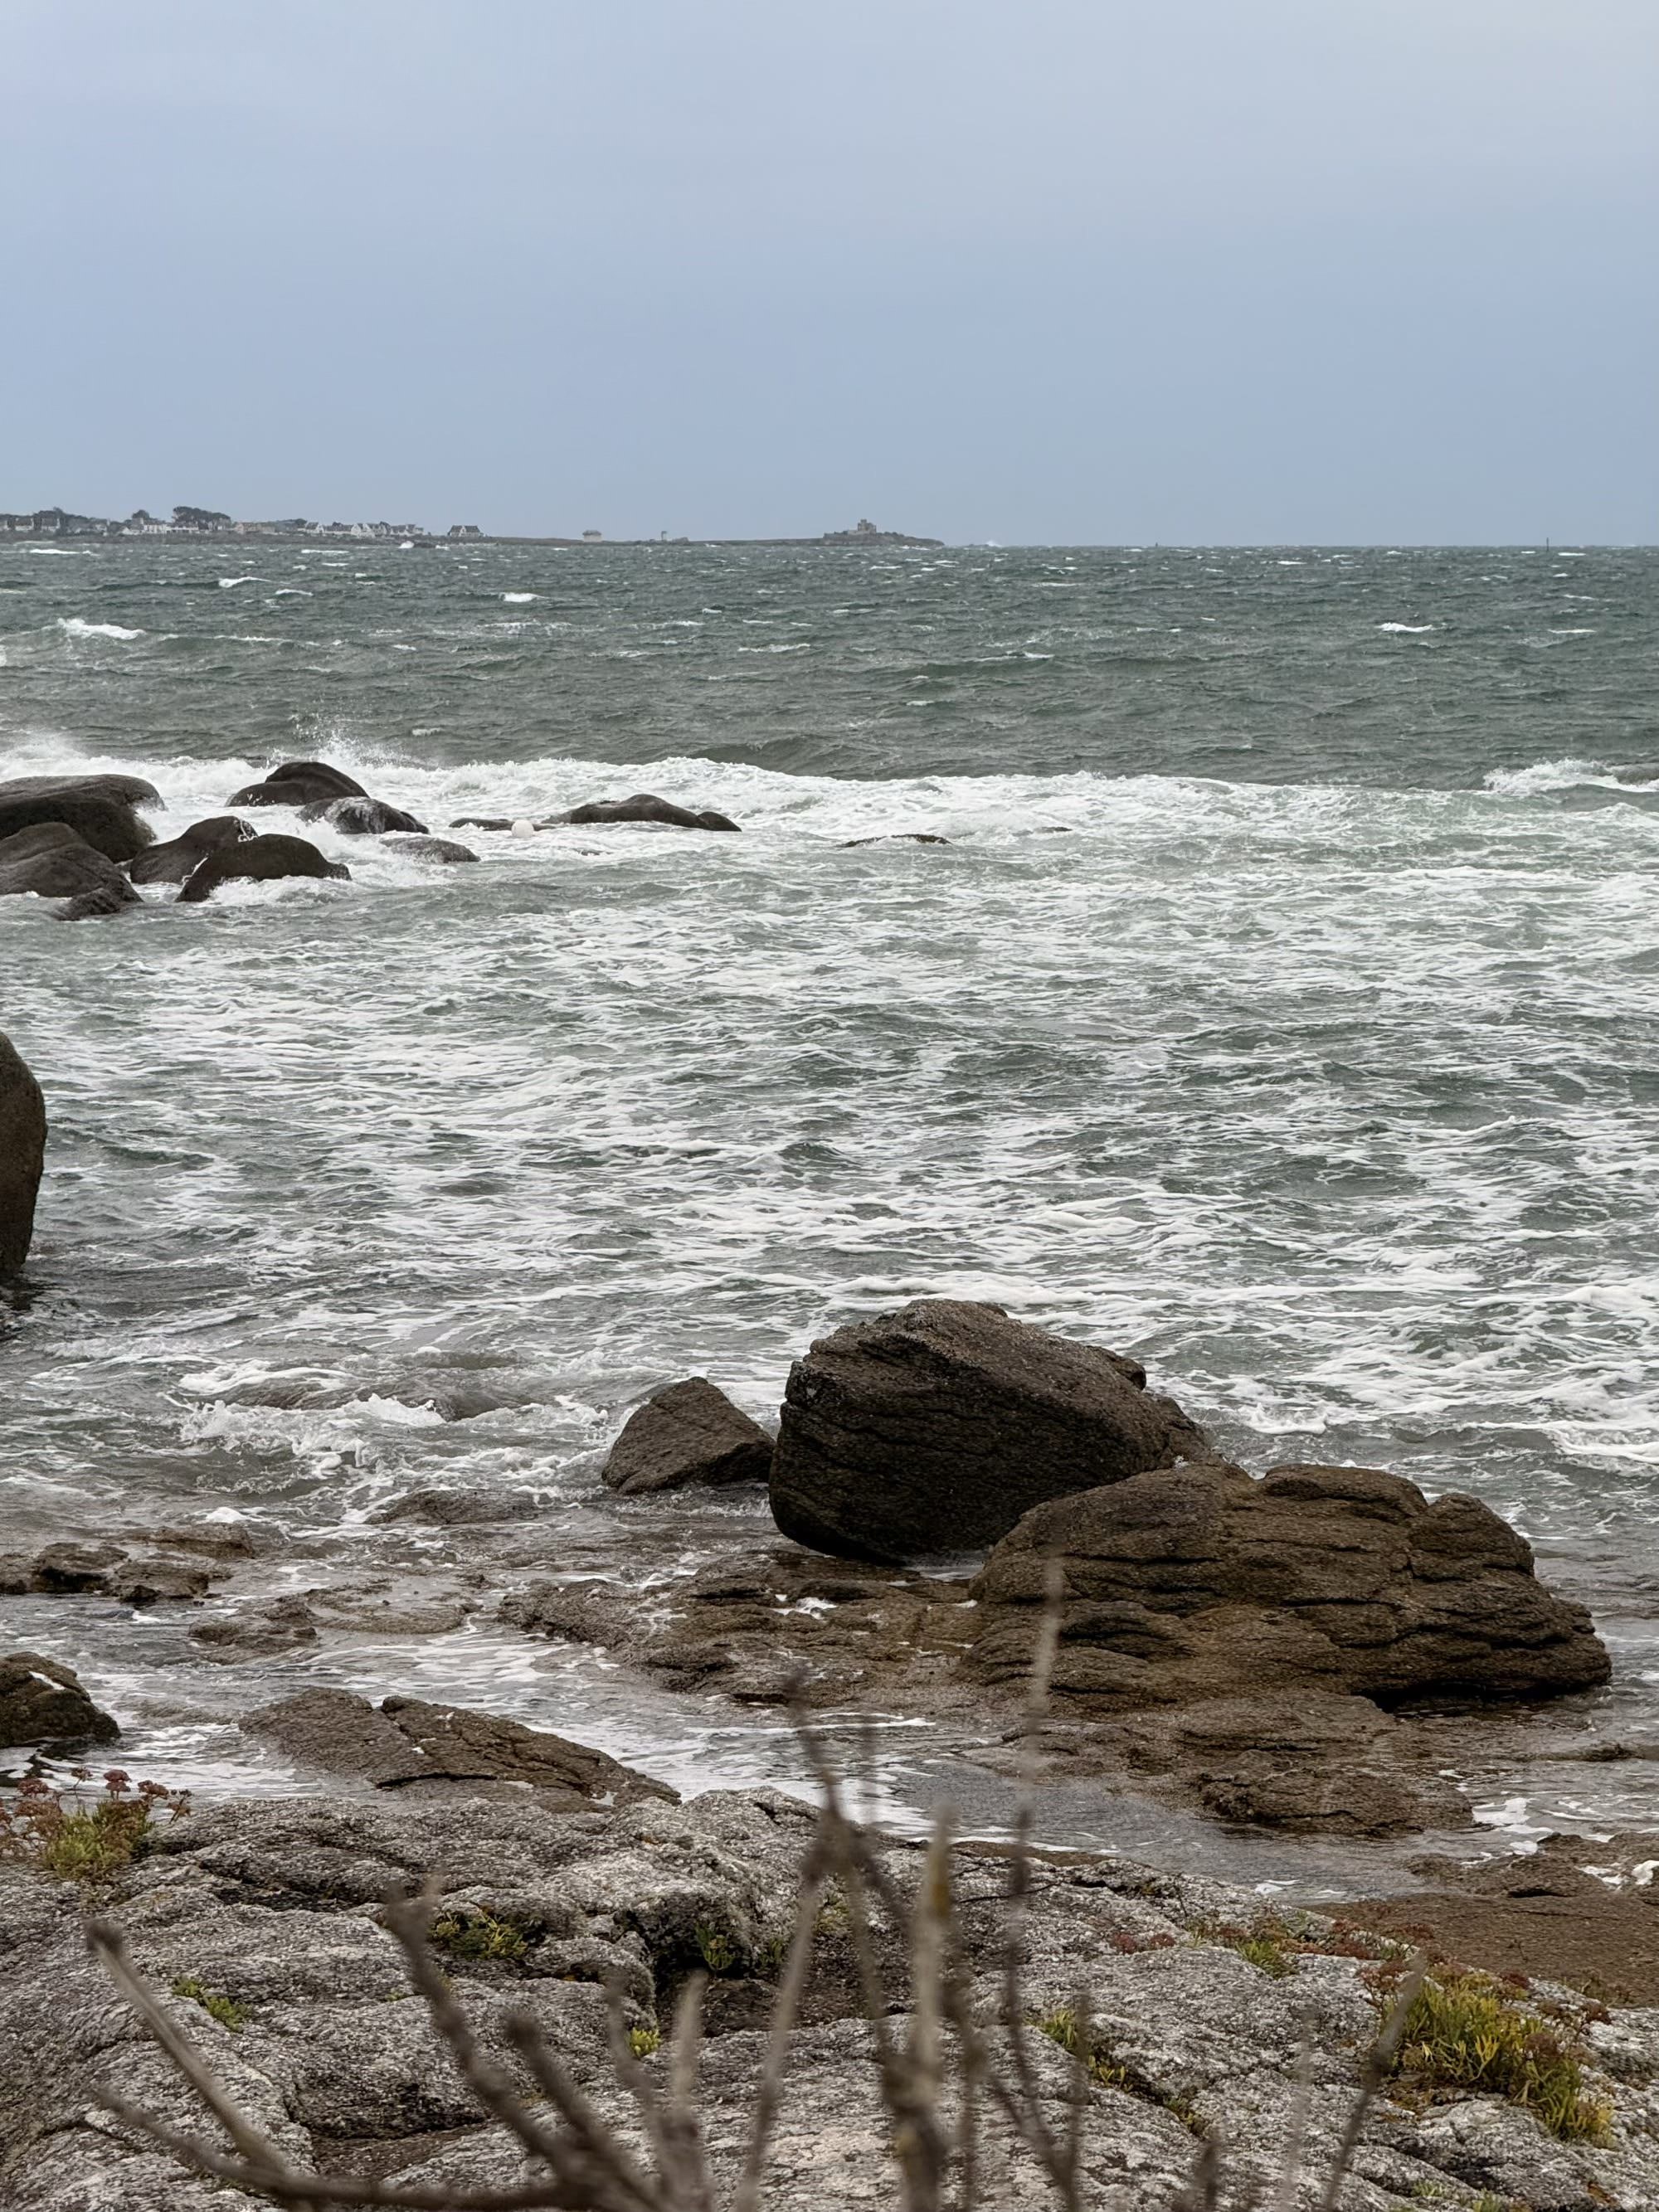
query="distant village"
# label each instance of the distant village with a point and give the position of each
(209, 522)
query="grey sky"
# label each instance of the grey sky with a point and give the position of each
(1083, 270)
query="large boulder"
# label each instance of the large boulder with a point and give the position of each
(298, 783)
(42, 1703)
(90, 805)
(179, 858)
(22, 1155)
(361, 817)
(929, 1431)
(1202, 1581)
(643, 806)
(260, 860)
(123, 790)
(51, 860)
(690, 1432)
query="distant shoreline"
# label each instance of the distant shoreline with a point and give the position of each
(50, 525)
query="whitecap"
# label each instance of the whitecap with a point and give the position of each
(520, 599)
(230, 583)
(1407, 629)
(76, 626)
(1545, 775)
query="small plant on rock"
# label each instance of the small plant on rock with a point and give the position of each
(82, 1835)
(471, 1932)
(214, 2002)
(1061, 2028)
(642, 2041)
(714, 1947)
(1466, 2032)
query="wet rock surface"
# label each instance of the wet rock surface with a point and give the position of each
(688, 1433)
(42, 1701)
(22, 1155)
(928, 1432)
(51, 860)
(407, 1742)
(645, 806)
(273, 1911)
(429, 848)
(361, 817)
(94, 807)
(1203, 1582)
(259, 860)
(777, 1623)
(298, 783)
(1580, 1911)
(173, 861)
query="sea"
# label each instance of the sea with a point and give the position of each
(1282, 1007)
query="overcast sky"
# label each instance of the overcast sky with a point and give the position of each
(1061, 271)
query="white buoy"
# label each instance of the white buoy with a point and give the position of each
(524, 827)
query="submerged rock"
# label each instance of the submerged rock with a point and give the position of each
(90, 805)
(52, 860)
(457, 1508)
(22, 1155)
(644, 807)
(1203, 1582)
(895, 838)
(298, 783)
(172, 862)
(42, 1703)
(688, 1433)
(78, 1570)
(430, 849)
(361, 817)
(929, 1431)
(260, 860)
(406, 1741)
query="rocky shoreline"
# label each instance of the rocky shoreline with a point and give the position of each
(264, 1928)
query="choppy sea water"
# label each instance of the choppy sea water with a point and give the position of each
(1282, 1010)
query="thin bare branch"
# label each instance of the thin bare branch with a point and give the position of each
(1378, 2065)
(109, 1946)
(785, 2011)
(301, 2192)
(408, 1918)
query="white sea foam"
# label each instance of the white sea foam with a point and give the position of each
(1406, 629)
(230, 583)
(520, 599)
(77, 626)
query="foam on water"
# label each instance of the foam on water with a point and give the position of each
(1331, 1098)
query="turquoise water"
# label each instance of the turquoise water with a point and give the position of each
(1317, 1063)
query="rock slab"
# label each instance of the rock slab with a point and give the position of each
(690, 1432)
(1203, 1582)
(406, 1741)
(929, 1431)
(22, 1155)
